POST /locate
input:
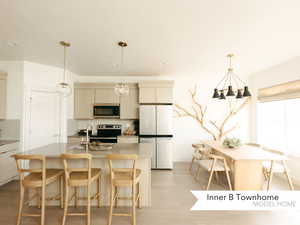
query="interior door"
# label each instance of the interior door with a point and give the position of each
(44, 119)
(164, 149)
(147, 120)
(164, 118)
(153, 142)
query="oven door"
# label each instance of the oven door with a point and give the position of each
(104, 139)
(106, 111)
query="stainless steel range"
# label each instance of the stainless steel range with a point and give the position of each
(107, 133)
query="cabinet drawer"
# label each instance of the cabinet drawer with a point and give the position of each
(130, 140)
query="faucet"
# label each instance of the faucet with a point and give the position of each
(87, 139)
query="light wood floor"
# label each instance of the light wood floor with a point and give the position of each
(171, 203)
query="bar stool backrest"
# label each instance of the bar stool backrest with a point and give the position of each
(203, 150)
(23, 171)
(118, 157)
(67, 158)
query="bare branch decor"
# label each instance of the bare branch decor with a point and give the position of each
(198, 113)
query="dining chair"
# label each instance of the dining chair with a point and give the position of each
(213, 164)
(273, 166)
(124, 177)
(196, 154)
(80, 177)
(36, 178)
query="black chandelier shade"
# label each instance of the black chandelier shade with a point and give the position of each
(246, 92)
(231, 84)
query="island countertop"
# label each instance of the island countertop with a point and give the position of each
(143, 150)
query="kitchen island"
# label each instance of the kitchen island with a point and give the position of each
(143, 150)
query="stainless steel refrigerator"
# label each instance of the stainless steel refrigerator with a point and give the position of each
(156, 127)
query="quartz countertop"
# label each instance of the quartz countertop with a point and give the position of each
(143, 150)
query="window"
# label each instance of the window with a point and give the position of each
(279, 125)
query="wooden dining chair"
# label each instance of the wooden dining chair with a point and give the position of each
(197, 154)
(80, 177)
(37, 178)
(124, 177)
(271, 167)
(213, 164)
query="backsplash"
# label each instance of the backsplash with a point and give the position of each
(75, 125)
(10, 129)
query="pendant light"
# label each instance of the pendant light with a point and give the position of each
(231, 84)
(122, 89)
(64, 87)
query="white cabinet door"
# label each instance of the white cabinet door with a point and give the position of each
(164, 118)
(164, 95)
(8, 169)
(129, 105)
(83, 103)
(164, 149)
(147, 120)
(147, 95)
(153, 149)
(106, 96)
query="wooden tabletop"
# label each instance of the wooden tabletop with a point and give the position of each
(245, 152)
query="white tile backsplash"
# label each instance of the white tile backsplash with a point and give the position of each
(10, 129)
(75, 125)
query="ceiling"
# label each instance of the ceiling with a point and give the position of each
(165, 37)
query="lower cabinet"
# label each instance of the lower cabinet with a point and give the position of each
(8, 169)
(128, 139)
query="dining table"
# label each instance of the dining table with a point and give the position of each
(246, 163)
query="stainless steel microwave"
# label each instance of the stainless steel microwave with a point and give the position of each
(106, 111)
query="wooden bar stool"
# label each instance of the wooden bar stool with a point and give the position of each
(36, 178)
(124, 177)
(80, 177)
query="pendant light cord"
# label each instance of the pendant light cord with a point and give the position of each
(65, 62)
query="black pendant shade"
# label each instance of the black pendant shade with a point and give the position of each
(216, 93)
(230, 92)
(232, 84)
(222, 96)
(239, 94)
(246, 92)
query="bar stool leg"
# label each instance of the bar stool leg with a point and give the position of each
(116, 196)
(133, 205)
(139, 196)
(66, 203)
(99, 191)
(61, 191)
(43, 204)
(21, 202)
(111, 204)
(88, 204)
(287, 175)
(76, 197)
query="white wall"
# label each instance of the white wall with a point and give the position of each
(45, 78)
(186, 130)
(284, 72)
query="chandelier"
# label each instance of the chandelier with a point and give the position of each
(231, 86)
(64, 87)
(122, 89)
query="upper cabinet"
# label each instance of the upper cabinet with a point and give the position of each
(129, 105)
(156, 92)
(88, 94)
(84, 99)
(2, 95)
(106, 95)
